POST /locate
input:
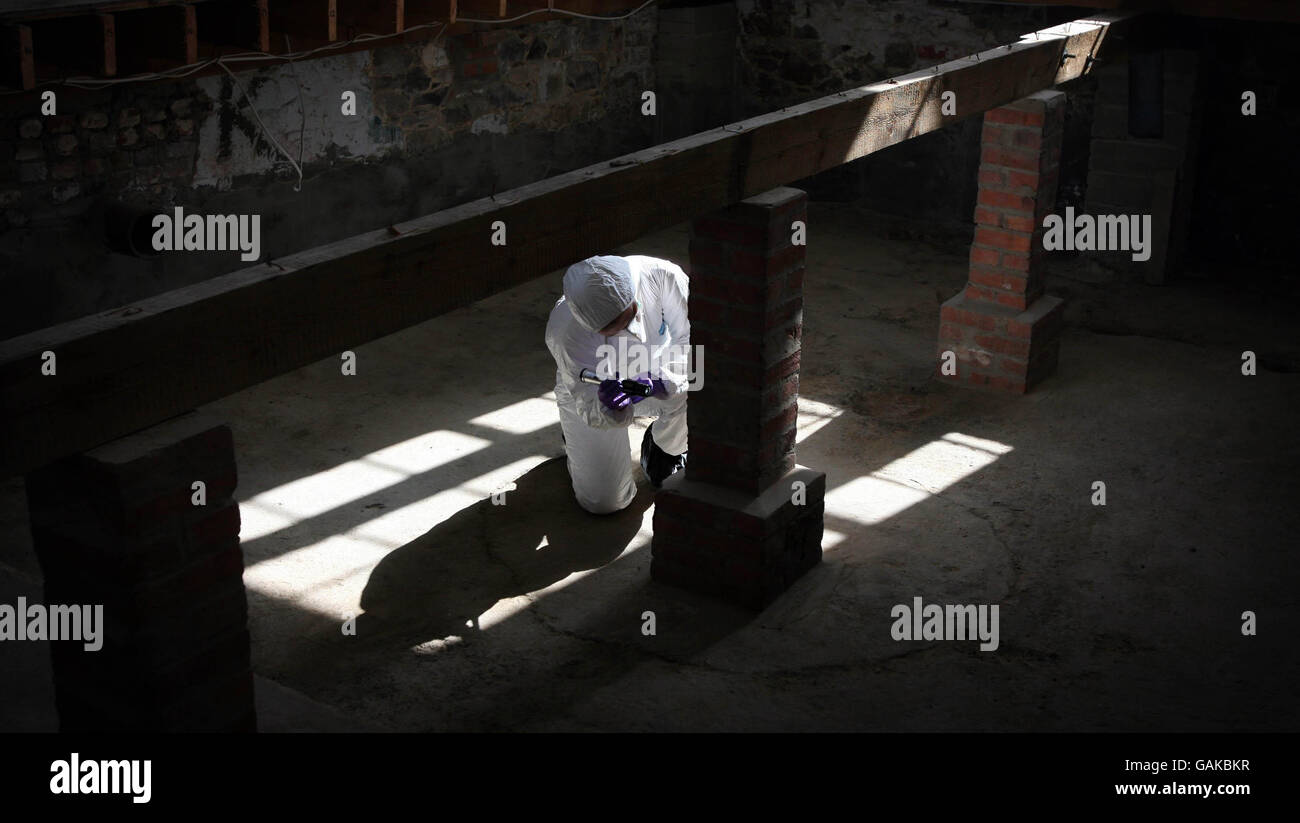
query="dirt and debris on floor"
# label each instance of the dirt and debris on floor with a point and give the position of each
(368, 499)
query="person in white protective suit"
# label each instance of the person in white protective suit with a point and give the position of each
(620, 315)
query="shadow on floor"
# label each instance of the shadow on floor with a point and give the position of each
(443, 580)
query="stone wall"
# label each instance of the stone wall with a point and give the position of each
(437, 122)
(695, 69)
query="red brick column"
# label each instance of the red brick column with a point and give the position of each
(1003, 330)
(117, 527)
(744, 521)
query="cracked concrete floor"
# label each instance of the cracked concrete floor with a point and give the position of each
(369, 497)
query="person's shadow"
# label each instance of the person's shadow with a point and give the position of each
(436, 584)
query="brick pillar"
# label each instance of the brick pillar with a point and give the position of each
(1002, 328)
(117, 527)
(743, 521)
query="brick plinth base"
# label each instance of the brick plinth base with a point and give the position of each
(117, 527)
(1000, 348)
(735, 546)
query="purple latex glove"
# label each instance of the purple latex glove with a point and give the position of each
(611, 394)
(656, 385)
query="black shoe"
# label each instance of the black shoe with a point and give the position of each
(658, 464)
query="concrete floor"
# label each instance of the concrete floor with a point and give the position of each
(369, 496)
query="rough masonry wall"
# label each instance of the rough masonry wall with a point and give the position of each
(695, 69)
(437, 122)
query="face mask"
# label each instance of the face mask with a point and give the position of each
(635, 330)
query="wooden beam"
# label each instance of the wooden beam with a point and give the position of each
(53, 9)
(126, 369)
(26, 57)
(108, 32)
(1262, 10)
(190, 31)
(263, 26)
(277, 22)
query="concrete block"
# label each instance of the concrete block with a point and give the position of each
(1133, 155)
(1110, 121)
(1134, 191)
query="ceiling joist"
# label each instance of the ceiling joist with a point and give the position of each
(103, 40)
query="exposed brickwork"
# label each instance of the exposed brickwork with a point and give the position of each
(1019, 171)
(736, 547)
(998, 347)
(116, 527)
(730, 527)
(1003, 330)
(747, 312)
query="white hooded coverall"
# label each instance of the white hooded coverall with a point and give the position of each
(596, 292)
